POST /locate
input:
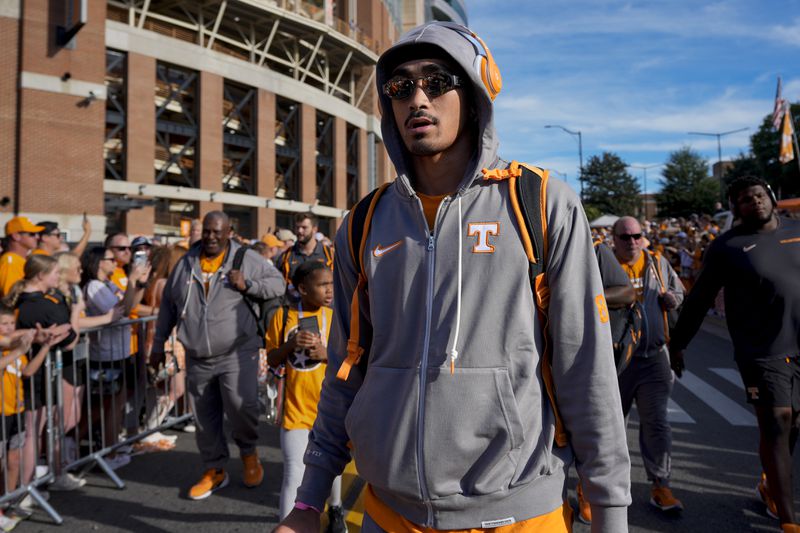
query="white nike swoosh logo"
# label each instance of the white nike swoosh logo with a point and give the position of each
(748, 248)
(378, 251)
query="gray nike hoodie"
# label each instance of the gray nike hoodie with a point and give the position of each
(473, 448)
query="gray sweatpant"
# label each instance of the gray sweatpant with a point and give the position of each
(648, 380)
(224, 385)
(293, 446)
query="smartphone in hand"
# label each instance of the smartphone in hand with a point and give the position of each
(308, 323)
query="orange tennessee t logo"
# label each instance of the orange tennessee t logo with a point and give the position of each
(483, 230)
(378, 251)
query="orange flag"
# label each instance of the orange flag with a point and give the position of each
(787, 151)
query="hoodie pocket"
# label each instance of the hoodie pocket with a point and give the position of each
(381, 424)
(473, 431)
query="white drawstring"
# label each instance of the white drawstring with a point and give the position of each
(453, 350)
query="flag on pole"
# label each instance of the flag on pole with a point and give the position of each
(780, 108)
(787, 150)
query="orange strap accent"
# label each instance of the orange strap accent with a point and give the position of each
(354, 351)
(500, 174)
(328, 256)
(286, 265)
(656, 257)
(542, 297)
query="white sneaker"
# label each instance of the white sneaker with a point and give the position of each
(158, 436)
(117, 461)
(66, 482)
(189, 428)
(8, 523)
(41, 471)
(28, 503)
(125, 449)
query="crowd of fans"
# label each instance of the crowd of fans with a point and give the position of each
(52, 296)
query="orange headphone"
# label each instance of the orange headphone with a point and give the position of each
(484, 62)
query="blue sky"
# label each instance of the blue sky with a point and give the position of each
(635, 77)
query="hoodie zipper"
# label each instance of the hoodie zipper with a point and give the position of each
(423, 369)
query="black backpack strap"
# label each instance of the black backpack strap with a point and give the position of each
(530, 191)
(238, 258)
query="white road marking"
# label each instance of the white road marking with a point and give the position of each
(727, 408)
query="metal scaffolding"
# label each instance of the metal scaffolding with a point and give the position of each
(114, 142)
(176, 126)
(239, 138)
(287, 149)
(296, 42)
(324, 158)
(353, 152)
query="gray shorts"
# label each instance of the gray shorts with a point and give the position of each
(14, 436)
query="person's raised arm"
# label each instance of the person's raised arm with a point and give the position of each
(87, 233)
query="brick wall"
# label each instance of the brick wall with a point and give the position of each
(8, 105)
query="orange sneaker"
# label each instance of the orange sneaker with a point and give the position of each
(662, 498)
(253, 471)
(584, 510)
(763, 492)
(212, 481)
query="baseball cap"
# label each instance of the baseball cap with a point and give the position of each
(141, 241)
(271, 240)
(21, 225)
(286, 235)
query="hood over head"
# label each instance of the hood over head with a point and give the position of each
(457, 45)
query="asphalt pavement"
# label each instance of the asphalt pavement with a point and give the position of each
(715, 469)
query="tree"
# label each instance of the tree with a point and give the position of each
(762, 161)
(609, 187)
(686, 185)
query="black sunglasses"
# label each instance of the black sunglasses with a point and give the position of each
(630, 236)
(436, 84)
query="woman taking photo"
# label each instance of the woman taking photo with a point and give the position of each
(109, 349)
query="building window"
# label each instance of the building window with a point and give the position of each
(176, 126)
(169, 214)
(353, 147)
(114, 144)
(324, 158)
(239, 139)
(287, 149)
(243, 220)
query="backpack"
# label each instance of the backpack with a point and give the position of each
(627, 325)
(286, 261)
(262, 309)
(527, 187)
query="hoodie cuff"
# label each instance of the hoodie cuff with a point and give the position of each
(609, 519)
(316, 486)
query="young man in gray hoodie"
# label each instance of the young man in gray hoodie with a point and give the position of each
(449, 422)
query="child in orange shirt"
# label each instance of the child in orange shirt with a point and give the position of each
(301, 345)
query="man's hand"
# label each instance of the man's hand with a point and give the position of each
(236, 278)
(676, 361)
(299, 522)
(669, 301)
(139, 274)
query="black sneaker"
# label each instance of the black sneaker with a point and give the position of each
(336, 523)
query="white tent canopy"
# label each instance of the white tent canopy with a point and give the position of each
(603, 221)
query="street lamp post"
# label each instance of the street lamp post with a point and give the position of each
(719, 150)
(580, 150)
(644, 182)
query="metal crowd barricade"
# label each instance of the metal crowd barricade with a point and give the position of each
(129, 375)
(30, 478)
(105, 396)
